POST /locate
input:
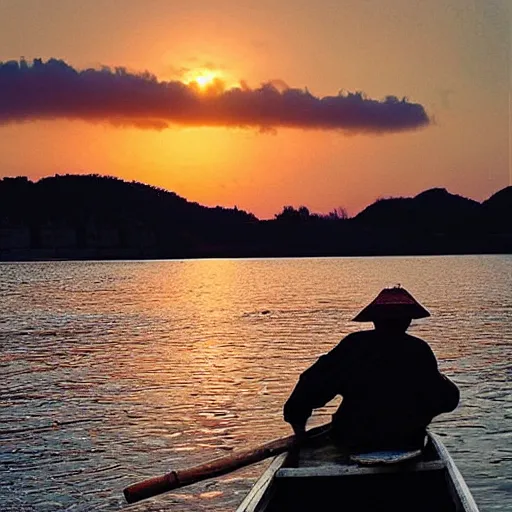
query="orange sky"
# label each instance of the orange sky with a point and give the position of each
(451, 56)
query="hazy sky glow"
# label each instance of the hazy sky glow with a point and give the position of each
(263, 103)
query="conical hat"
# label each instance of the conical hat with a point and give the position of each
(394, 302)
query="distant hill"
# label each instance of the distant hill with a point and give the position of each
(97, 217)
(497, 211)
(82, 198)
(434, 210)
(108, 217)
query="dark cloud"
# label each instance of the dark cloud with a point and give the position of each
(55, 90)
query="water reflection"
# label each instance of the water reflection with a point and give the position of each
(117, 371)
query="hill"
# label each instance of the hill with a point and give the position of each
(432, 211)
(95, 217)
(497, 211)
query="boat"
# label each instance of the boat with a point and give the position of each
(321, 477)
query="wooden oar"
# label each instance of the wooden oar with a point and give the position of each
(216, 467)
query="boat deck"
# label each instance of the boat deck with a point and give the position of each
(321, 477)
(319, 454)
(310, 479)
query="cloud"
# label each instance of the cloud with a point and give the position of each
(54, 90)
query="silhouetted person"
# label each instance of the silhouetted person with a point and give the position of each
(389, 381)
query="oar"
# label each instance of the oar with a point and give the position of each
(216, 467)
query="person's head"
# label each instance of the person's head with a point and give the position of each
(392, 325)
(392, 310)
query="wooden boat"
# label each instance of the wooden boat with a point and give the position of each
(320, 477)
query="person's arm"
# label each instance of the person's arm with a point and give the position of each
(447, 395)
(316, 386)
(442, 394)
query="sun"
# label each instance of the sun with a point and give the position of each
(203, 78)
(209, 81)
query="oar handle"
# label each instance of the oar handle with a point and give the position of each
(217, 467)
(152, 487)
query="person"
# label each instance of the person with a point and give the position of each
(389, 381)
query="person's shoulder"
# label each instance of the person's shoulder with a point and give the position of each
(419, 344)
(416, 340)
(358, 337)
(350, 344)
(361, 334)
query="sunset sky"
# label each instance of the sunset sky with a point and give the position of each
(200, 122)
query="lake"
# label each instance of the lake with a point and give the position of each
(117, 371)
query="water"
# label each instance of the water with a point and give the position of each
(117, 371)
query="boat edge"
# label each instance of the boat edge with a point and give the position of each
(461, 489)
(255, 499)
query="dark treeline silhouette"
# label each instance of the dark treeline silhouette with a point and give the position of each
(96, 217)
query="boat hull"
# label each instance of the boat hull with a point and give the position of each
(321, 477)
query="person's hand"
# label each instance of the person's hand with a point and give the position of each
(299, 429)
